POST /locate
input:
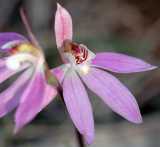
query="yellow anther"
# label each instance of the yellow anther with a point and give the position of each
(25, 47)
(28, 48)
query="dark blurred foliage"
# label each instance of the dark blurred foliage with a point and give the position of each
(128, 26)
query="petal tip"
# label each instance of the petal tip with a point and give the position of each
(89, 138)
(17, 127)
(137, 119)
(63, 25)
(149, 67)
(152, 67)
(58, 6)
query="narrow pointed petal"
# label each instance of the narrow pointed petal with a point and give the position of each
(2, 63)
(11, 96)
(49, 95)
(6, 73)
(63, 25)
(36, 96)
(59, 72)
(113, 93)
(120, 63)
(78, 105)
(9, 39)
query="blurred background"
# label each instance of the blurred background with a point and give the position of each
(127, 26)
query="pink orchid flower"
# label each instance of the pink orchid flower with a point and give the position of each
(83, 66)
(30, 92)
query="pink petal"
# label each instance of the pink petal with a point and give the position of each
(2, 63)
(10, 97)
(63, 25)
(113, 93)
(78, 105)
(36, 96)
(6, 73)
(9, 37)
(49, 95)
(120, 63)
(59, 72)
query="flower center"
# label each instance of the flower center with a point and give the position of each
(22, 53)
(25, 48)
(14, 62)
(79, 52)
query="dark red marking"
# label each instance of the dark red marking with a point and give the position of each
(14, 50)
(80, 53)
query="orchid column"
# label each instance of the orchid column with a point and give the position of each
(82, 66)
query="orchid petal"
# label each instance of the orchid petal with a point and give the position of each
(6, 73)
(63, 25)
(78, 105)
(7, 40)
(10, 97)
(36, 96)
(49, 95)
(2, 64)
(113, 93)
(59, 72)
(120, 63)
